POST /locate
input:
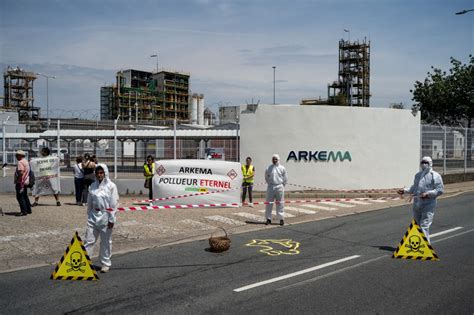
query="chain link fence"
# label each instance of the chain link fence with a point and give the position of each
(124, 148)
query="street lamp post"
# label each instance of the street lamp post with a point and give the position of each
(47, 91)
(274, 67)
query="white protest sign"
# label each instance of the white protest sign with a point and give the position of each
(46, 172)
(190, 177)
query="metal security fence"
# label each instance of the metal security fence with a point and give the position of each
(121, 145)
(451, 148)
(124, 146)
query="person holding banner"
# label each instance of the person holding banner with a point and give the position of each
(148, 172)
(21, 180)
(45, 152)
(248, 170)
(276, 178)
(102, 204)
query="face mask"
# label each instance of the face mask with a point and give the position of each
(424, 166)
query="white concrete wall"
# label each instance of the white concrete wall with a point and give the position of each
(384, 144)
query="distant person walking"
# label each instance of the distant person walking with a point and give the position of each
(78, 180)
(88, 166)
(102, 203)
(248, 170)
(276, 178)
(45, 152)
(148, 172)
(427, 186)
(21, 180)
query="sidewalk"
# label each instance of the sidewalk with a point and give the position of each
(41, 238)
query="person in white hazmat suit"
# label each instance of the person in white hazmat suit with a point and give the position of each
(427, 186)
(276, 179)
(102, 204)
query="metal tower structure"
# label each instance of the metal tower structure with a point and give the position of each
(18, 93)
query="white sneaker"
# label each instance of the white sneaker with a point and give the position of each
(251, 205)
(104, 269)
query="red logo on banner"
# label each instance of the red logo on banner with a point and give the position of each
(232, 174)
(160, 170)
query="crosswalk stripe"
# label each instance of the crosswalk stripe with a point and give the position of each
(300, 210)
(307, 205)
(287, 215)
(250, 216)
(337, 204)
(358, 202)
(224, 220)
(197, 224)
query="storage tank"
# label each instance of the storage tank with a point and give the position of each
(194, 109)
(201, 109)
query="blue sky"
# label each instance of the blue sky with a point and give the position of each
(229, 47)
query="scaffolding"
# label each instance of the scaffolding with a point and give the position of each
(143, 96)
(353, 85)
(18, 93)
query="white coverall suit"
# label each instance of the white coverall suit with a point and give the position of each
(102, 196)
(429, 182)
(276, 178)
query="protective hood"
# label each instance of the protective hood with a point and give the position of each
(426, 169)
(106, 171)
(427, 159)
(277, 157)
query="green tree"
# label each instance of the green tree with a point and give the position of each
(448, 97)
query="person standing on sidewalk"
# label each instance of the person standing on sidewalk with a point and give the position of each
(21, 180)
(102, 204)
(276, 178)
(427, 186)
(148, 172)
(78, 180)
(45, 152)
(248, 170)
(88, 166)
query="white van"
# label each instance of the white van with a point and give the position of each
(62, 152)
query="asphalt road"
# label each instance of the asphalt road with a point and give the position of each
(343, 266)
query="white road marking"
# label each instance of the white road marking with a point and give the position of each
(197, 224)
(250, 216)
(225, 220)
(294, 274)
(307, 205)
(372, 260)
(451, 236)
(358, 202)
(378, 200)
(337, 204)
(300, 210)
(446, 231)
(287, 215)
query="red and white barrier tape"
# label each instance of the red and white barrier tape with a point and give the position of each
(214, 205)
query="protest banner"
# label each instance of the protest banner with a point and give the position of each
(47, 176)
(180, 177)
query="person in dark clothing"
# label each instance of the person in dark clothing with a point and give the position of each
(21, 181)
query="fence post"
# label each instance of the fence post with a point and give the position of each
(444, 151)
(4, 146)
(115, 147)
(465, 150)
(174, 138)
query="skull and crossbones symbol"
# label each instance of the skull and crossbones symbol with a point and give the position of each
(76, 262)
(415, 245)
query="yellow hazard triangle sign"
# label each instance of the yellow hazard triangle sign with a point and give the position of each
(75, 263)
(414, 245)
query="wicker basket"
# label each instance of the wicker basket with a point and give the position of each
(219, 244)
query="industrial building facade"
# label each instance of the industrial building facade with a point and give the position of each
(145, 96)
